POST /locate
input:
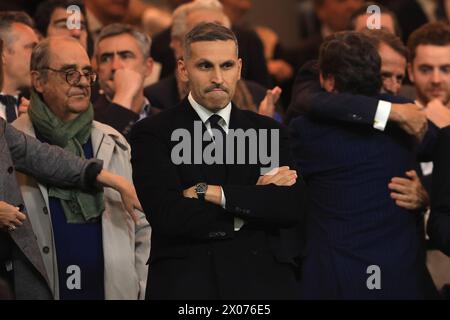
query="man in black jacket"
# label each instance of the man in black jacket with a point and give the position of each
(221, 230)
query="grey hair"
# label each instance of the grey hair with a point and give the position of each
(144, 41)
(179, 16)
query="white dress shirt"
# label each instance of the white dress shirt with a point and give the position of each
(204, 115)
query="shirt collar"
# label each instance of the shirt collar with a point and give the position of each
(205, 113)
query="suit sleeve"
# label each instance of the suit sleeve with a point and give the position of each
(160, 192)
(118, 117)
(308, 97)
(275, 205)
(51, 164)
(439, 222)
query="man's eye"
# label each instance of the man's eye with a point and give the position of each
(204, 66)
(446, 69)
(425, 69)
(104, 59)
(228, 65)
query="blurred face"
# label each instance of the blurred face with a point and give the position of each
(385, 19)
(194, 18)
(119, 52)
(66, 101)
(17, 56)
(58, 27)
(212, 70)
(430, 73)
(336, 13)
(393, 68)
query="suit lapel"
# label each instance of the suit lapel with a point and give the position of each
(103, 146)
(238, 173)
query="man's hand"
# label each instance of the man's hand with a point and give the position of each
(411, 118)
(10, 216)
(280, 70)
(126, 86)
(267, 105)
(23, 106)
(282, 176)
(409, 193)
(438, 113)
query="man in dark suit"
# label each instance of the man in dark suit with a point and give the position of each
(360, 244)
(221, 230)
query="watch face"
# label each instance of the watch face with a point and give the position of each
(201, 187)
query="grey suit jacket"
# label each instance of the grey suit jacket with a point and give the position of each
(49, 164)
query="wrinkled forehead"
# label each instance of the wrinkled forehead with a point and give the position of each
(63, 52)
(432, 55)
(214, 51)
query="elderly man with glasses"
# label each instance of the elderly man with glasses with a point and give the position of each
(90, 250)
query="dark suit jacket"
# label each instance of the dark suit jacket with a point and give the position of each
(353, 223)
(250, 51)
(164, 94)
(116, 116)
(195, 252)
(439, 221)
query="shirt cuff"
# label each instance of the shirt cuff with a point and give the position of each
(382, 115)
(222, 199)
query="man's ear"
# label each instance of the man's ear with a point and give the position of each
(327, 83)
(177, 46)
(410, 72)
(182, 70)
(37, 81)
(240, 67)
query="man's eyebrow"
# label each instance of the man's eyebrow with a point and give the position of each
(68, 66)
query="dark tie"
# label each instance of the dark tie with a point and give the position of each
(10, 104)
(220, 169)
(214, 123)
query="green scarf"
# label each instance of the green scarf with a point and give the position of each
(78, 206)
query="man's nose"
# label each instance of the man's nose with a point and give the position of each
(436, 76)
(116, 62)
(217, 76)
(76, 33)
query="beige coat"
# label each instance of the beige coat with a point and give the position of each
(126, 247)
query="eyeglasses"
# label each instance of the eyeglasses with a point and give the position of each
(73, 77)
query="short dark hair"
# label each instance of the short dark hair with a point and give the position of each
(433, 33)
(208, 32)
(353, 61)
(45, 10)
(391, 40)
(384, 10)
(7, 18)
